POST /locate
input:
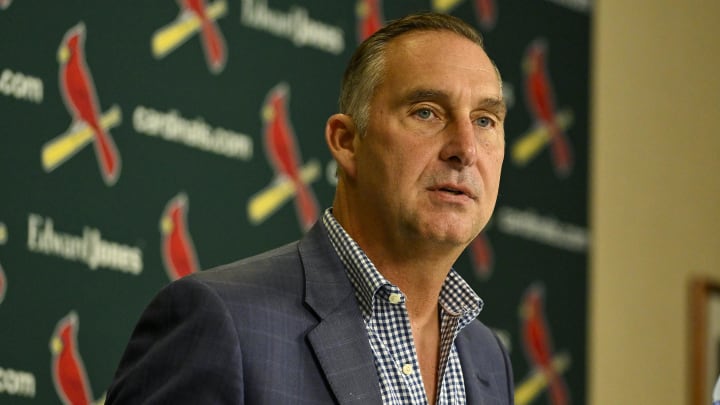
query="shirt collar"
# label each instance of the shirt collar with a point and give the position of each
(457, 298)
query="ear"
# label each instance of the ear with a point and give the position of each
(340, 136)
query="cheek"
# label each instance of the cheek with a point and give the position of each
(377, 168)
(491, 162)
(402, 157)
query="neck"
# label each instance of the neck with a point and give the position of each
(417, 267)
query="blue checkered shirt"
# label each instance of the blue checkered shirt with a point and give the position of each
(388, 326)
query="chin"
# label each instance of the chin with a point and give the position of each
(452, 229)
(453, 234)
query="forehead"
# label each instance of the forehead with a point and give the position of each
(440, 59)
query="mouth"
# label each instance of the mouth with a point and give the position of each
(451, 190)
(455, 190)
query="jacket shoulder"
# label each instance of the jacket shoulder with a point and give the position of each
(282, 261)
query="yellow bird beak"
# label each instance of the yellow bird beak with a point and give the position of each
(56, 345)
(268, 113)
(166, 225)
(63, 54)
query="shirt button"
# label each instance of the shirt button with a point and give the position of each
(407, 369)
(394, 298)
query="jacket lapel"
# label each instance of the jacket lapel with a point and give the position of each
(481, 385)
(477, 383)
(340, 339)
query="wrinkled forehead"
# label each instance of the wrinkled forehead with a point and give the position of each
(437, 59)
(438, 46)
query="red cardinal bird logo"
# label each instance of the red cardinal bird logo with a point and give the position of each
(485, 10)
(486, 13)
(369, 18)
(68, 372)
(196, 16)
(212, 39)
(482, 256)
(283, 154)
(178, 252)
(538, 345)
(80, 97)
(540, 97)
(3, 284)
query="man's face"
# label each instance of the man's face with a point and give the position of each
(428, 166)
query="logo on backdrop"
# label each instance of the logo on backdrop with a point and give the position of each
(485, 10)
(369, 18)
(292, 179)
(5, 4)
(195, 133)
(178, 251)
(17, 383)
(196, 16)
(550, 124)
(482, 257)
(68, 370)
(88, 124)
(89, 248)
(544, 229)
(21, 86)
(294, 25)
(538, 346)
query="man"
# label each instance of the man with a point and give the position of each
(365, 309)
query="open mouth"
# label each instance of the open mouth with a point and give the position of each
(455, 190)
(451, 190)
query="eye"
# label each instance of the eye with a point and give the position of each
(424, 113)
(485, 122)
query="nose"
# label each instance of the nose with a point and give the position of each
(460, 146)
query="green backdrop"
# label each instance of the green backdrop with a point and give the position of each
(132, 151)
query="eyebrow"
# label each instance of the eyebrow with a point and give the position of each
(494, 104)
(425, 95)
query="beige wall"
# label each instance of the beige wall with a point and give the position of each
(655, 210)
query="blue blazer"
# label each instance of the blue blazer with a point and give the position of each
(283, 327)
